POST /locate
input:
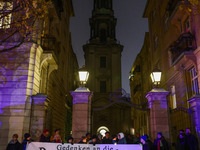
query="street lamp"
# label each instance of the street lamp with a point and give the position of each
(83, 76)
(82, 97)
(158, 105)
(156, 76)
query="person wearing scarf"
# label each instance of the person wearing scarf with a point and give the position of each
(160, 143)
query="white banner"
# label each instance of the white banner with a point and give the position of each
(65, 146)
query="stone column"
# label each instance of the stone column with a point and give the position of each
(195, 105)
(81, 116)
(38, 115)
(159, 121)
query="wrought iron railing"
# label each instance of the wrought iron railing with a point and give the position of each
(48, 42)
(186, 42)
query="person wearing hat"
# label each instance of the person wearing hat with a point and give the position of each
(160, 143)
(145, 145)
(45, 136)
(27, 139)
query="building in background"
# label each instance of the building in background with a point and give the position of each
(140, 85)
(103, 61)
(36, 78)
(172, 45)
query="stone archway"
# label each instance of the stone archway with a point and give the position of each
(102, 130)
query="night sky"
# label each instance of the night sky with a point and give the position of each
(130, 31)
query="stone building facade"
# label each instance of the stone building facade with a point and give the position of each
(103, 61)
(36, 79)
(173, 46)
(140, 85)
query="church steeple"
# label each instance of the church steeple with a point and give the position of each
(102, 23)
(103, 61)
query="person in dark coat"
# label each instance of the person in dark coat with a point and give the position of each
(121, 139)
(181, 142)
(145, 145)
(83, 140)
(27, 139)
(136, 140)
(149, 142)
(129, 139)
(14, 143)
(93, 140)
(99, 139)
(106, 139)
(160, 143)
(114, 139)
(70, 140)
(45, 137)
(191, 140)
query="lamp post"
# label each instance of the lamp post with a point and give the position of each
(81, 115)
(83, 76)
(156, 76)
(157, 100)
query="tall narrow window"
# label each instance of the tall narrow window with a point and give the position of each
(187, 25)
(102, 62)
(155, 41)
(194, 81)
(5, 14)
(102, 86)
(173, 97)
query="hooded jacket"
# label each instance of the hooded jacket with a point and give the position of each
(121, 138)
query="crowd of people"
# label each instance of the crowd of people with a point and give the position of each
(185, 141)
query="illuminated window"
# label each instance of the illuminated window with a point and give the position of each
(173, 97)
(5, 14)
(194, 81)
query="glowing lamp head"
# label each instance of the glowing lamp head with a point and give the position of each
(156, 76)
(83, 75)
